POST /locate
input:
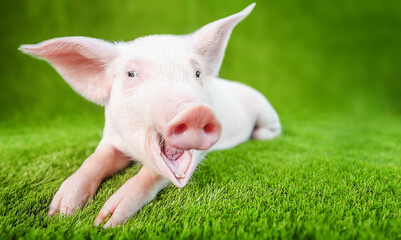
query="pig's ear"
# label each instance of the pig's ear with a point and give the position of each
(211, 40)
(81, 61)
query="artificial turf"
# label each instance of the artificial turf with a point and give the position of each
(331, 69)
(325, 177)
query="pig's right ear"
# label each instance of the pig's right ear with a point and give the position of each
(211, 40)
(81, 61)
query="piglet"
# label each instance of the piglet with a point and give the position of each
(165, 107)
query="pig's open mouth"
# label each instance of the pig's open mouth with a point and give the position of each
(177, 160)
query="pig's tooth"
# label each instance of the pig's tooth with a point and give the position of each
(182, 175)
(180, 165)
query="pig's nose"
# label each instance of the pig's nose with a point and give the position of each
(194, 128)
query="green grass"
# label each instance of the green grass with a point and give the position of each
(330, 68)
(326, 177)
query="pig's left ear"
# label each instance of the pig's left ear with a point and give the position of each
(211, 40)
(81, 61)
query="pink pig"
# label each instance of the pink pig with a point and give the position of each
(164, 107)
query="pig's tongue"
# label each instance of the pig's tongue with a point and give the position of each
(175, 160)
(172, 153)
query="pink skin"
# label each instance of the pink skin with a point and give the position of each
(158, 111)
(195, 128)
(133, 195)
(63, 55)
(82, 185)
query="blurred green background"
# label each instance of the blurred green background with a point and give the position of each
(308, 57)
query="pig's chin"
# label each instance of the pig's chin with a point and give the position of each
(175, 164)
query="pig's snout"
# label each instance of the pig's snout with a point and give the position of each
(194, 128)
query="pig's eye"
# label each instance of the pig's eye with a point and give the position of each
(197, 74)
(132, 74)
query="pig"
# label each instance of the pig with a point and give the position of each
(165, 107)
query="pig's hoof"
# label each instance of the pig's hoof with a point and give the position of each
(64, 205)
(264, 133)
(72, 194)
(123, 204)
(119, 206)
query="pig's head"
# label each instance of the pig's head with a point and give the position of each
(155, 89)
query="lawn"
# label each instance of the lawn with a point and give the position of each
(325, 177)
(331, 69)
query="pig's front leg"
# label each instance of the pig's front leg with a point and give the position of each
(82, 185)
(132, 196)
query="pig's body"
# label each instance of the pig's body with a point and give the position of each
(244, 113)
(164, 107)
